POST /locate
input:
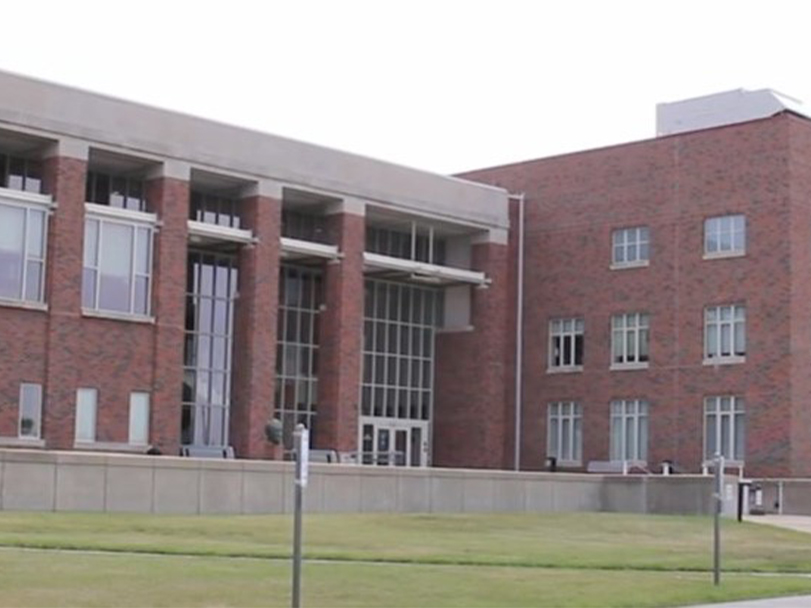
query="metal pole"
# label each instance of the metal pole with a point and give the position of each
(299, 496)
(519, 335)
(718, 498)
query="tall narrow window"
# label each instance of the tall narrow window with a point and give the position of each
(629, 430)
(566, 344)
(86, 404)
(139, 418)
(564, 436)
(629, 340)
(296, 398)
(211, 289)
(725, 334)
(725, 236)
(724, 427)
(23, 229)
(117, 266)
(30, 411)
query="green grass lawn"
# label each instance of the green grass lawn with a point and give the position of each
(583, 559)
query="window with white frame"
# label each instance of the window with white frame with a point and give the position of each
(117, 264)
(724, 333)
(724, 428)
(30, 411)
(564, 437)
(139, 418)
(565, 344)
(629, 339)
(23, 232)
(630, 246)
(629, 430)
(725, 235)
(86, 405)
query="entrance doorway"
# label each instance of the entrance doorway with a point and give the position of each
(393, 442)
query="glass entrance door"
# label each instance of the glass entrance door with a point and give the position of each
(397, 443)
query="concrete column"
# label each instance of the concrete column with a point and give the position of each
(472, 412)
(341, 334)
(64, 173)
(254, 359)
(167, 194)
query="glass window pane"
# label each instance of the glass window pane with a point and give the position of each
(30, 410)
(12, 222)
(115, 268)
(139, 418)
(36, 234)
(86, 403)
(33, 281)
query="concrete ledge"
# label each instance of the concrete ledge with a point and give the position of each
(35, 480)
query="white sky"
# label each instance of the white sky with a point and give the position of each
(446, 85)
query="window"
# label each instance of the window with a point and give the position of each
(725, 334)
(304, 226)
(629, 430)
(566, 344)
(725, 236)
(20, 174)
(419, 243)
(564, 432)
(631, 247)
(212, 281)
(115, 191)
(117, 266)
(30, 411)
(23, 229)
(724, 427)
(212, 209)
(139, 418)
(629, 340)
(297, 348)
(86, 400)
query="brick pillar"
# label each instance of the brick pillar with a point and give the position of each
(64, 174)
(254, 359)
(168, 196)
(341, 336)
(471, 409)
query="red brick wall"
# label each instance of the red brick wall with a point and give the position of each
(341, 337)
(22, 359)
(257, 309)
(64, 178)
(472, 412)
(671, 185)
(800, 311)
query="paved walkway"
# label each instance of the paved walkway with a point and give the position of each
(802, 523)
(793, 522)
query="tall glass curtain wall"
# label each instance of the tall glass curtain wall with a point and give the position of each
(296, 392)
(210, 293)
(398, 350)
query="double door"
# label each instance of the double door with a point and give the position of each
(394, 442)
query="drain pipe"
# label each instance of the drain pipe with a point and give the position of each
(519, 332)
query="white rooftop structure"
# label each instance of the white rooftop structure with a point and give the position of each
(727, 108)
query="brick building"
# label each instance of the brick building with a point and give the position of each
(667, 292)
(173, 282)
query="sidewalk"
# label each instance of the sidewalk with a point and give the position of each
(797, 601)
(801, 523)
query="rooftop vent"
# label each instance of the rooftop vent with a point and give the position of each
(721, 109)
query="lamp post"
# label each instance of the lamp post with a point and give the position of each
(718, 499)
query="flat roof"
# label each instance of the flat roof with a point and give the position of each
(137, 128)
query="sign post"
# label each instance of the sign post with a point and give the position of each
(718, 499)
(301, 439)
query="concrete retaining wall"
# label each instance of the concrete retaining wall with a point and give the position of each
(71, 481)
